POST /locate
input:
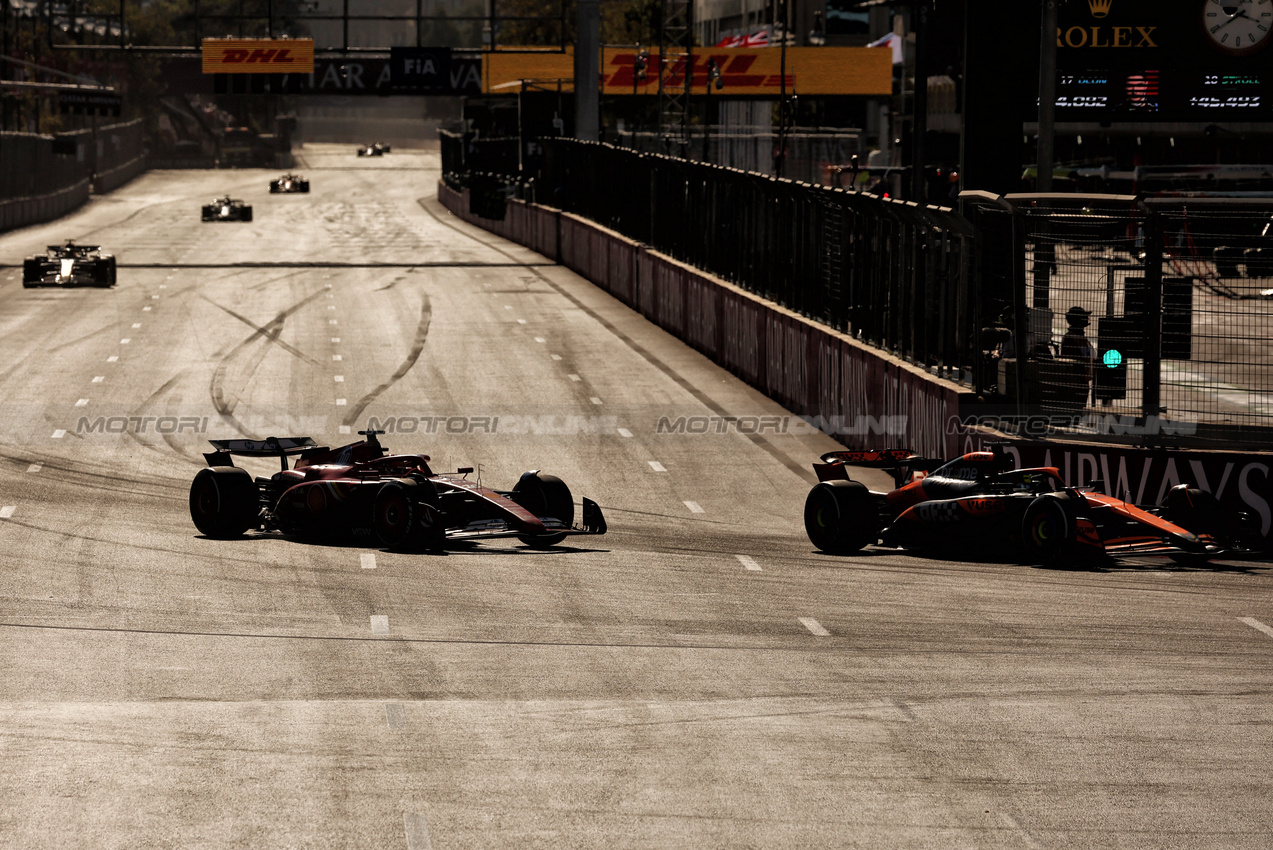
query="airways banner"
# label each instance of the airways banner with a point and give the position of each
(258, 55)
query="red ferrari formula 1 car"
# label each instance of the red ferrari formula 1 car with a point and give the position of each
(980, 504)
(362, 493)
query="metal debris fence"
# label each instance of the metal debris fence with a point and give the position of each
(1130, 320)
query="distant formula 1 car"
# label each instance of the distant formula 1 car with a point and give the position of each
(376, 149)
(288, 184)
(359, 492)
(227, 209)
(69, 265)
(979, 505)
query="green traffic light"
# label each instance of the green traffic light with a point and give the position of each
(1113, 358)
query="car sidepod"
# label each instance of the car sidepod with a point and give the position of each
(328, 509)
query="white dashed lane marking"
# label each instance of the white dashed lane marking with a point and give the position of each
(35, 467)
(624, 432)
(574, 377)
(367, 559)
(540, 339)
(657, 467)
(7, 511)
(395, 715)
(417, 827)
(98, 379)
(695, 507)
(555, 356)
(136, 325)
(145, 309)
(59, 433)
(595, 400)
(748, 562)
(114, 358)
(81, 403)
(814, 627)
(340, 402)
(332, 322)
(337, 357)
(340, 379)
(336, 339)
(1257, 625)
(379, 624)
(521, 321)
(345, 429)
(125, 341)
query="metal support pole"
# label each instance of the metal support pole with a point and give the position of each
(1151, 398)
(587, 70)
(919, 104)
(1047, 96)
(781, 158)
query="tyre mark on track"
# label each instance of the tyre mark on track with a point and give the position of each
(421, 334)
(270, 333)
(181, 451)
(759, 441)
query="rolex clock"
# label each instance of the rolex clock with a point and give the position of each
(1238, 27)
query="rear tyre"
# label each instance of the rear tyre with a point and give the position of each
(544, 496)
(273, 187)
(104, 272)
(224, 502)
(31, 273)
(840, 517)
(305, 186)
(247, 213)
(1049, 531)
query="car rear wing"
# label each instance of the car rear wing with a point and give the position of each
(901, 462)
(280, 447)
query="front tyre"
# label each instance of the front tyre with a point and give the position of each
(394, 513)
(547, 497)
(1049, 531)
(840, 517)
(224, 502)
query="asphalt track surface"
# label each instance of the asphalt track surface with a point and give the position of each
(699, 677)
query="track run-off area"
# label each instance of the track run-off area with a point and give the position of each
(700, 676)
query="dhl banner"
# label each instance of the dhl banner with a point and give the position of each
(749, 72)
(258, 55)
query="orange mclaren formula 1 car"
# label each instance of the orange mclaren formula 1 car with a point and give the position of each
(362, 494)
(980, 505)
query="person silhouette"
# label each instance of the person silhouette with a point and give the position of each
(1075, 344)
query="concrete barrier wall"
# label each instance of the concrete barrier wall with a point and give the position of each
(863, 397)
(109, 181)
(49, 185)
(21, 212)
